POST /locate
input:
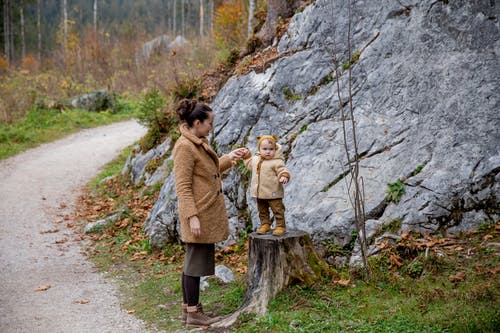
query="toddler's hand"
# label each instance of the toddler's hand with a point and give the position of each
(283, 180)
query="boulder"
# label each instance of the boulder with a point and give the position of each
(99, 100)
(158, 46)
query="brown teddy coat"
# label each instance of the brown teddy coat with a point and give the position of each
(265, 177)
(197, 173)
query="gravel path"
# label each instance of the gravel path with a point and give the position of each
(38, 189)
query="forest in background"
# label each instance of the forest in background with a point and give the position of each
(112, 20)
(55, 49)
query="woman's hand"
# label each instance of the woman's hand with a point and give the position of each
(238, 154)
(194, 224)
(283, 180)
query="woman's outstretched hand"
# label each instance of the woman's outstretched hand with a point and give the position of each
(238, 154)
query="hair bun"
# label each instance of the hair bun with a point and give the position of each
(186, 106)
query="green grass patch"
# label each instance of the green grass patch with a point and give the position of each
(41, 126)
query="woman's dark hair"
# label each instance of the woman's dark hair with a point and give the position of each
(189, 110)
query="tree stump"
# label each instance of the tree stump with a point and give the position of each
(275, 262)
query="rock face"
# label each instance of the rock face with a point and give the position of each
(425, 94)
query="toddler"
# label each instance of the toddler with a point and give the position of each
(268, 176)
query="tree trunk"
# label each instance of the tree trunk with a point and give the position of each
(65, 26)
(39, 30)
(211, 16)
(273, 264)
(251, 12)
(6, 31)
(183, 22)
(95, 20)
(21, 18)
(202, 21)
(11, 33)
(174, 18)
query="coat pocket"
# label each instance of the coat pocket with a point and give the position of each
(207, 201)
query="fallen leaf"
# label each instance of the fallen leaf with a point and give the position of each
(344, 283)
(42, 288)
(131, 311)
(50, 231)
(460, 276)
(82, 301)
(487, 237)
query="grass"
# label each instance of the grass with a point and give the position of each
(421, 283)
(40, 126)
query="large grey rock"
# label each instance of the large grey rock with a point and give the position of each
(155, 46)
(162, 224)
(99, 100)
(158, 46)
(425, 93)
(222, 274)
(98, 225)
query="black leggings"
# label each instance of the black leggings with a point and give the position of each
(190, 290)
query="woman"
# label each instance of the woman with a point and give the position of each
(202, 209)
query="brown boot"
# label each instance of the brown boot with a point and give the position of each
(264, 229)
(279, 231)
(197, 318)
(200, 308)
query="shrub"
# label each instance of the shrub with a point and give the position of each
(156, 113)
(188, 88)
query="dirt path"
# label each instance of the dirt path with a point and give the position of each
(38, 189)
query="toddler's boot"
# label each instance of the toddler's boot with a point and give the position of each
(264, 229)
(279, 231)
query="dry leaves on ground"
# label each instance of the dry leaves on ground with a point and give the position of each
(43, 288)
